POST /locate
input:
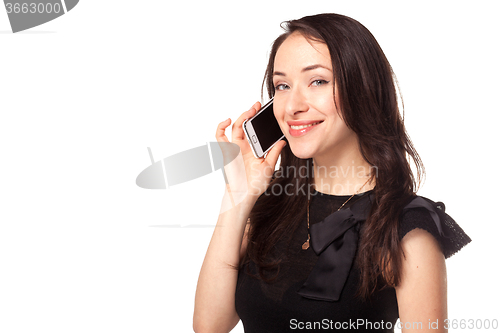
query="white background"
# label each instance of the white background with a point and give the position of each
(83, 96)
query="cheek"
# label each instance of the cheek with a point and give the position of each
(326, 106)
(278, 111)
(340, 129)
(279, 118)
(338, 124)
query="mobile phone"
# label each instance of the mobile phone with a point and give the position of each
(262, 130)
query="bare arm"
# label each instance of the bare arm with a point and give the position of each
(214, 309)
(215, 294)
(422, 293)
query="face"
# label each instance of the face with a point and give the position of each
(304, 100)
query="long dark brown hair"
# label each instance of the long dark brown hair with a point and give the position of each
(368, 99)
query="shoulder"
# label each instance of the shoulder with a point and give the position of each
(434, 224)
(421, 291)
(417, 217)
(421, 245)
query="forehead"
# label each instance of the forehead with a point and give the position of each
(298, 52)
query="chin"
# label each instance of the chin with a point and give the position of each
(301, 152)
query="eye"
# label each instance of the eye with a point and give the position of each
(281, 86)
(317, 83)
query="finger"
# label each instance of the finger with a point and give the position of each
(274, 153)
(237, 131)
(220, 134)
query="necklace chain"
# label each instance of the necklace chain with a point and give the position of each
(305, 246)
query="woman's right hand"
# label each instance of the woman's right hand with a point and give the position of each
(248, 177)
(250, 173)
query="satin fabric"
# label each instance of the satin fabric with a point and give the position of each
(335, 241)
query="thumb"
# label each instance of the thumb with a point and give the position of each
(274, 153)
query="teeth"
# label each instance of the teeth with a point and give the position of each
(303, 126)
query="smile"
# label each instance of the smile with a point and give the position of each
(299, 130)
(304, 126)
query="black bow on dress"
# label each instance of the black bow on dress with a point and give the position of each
(335, 240)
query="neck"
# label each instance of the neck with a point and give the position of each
(343, 173)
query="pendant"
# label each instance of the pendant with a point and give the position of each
(305, 246)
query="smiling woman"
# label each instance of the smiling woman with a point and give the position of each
(304, 99)
(321, 246)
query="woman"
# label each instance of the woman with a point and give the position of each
(346, 244)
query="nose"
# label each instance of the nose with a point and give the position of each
(295, 102)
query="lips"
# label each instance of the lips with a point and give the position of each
(301, 127)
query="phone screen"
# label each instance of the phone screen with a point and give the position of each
(266, 127)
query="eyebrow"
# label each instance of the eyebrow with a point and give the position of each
(305, 69)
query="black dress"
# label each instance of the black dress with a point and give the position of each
(279, 307)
